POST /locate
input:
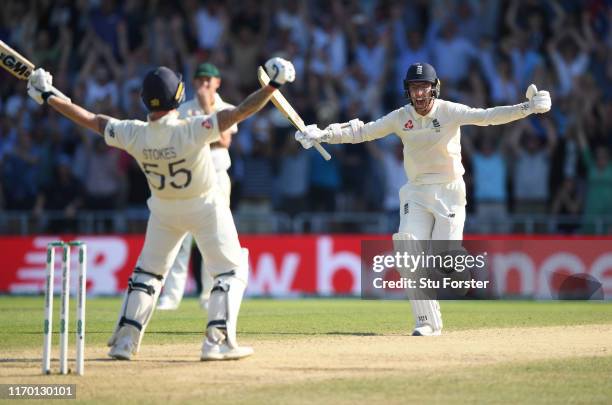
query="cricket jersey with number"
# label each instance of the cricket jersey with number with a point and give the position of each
(173, 153)
(432, 146)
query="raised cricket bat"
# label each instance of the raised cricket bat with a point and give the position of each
(17, 65)
(287, 110)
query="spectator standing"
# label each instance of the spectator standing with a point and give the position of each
(532, 165)
(20, 174)
(64, 194)
(599, 182)
(489, 173)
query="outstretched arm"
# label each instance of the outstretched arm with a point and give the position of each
(253, 103)
(40, 87)
(354, 131)
(79, 115)
(538, 102)
(281, 70)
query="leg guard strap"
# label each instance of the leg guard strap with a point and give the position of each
(220, 324)
(138, 304)
(145, 288)
(125, 321)
(226, 274)
(224, 303)
(139, 270)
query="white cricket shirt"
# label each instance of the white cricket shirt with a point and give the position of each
(173, 153)
(432, 147)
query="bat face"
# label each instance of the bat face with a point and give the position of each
(14, 63)
(281, 102)
(287, 110)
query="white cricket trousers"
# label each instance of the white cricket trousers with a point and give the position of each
(176, 280)
(431, 212)
(208, 219)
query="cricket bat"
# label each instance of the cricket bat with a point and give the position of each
(20, 67)
(287, 110)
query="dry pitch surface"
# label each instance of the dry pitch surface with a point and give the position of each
(330, 363)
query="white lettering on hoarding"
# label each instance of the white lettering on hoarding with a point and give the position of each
(105, 257)
(328, 263)
(281, 272)
(521, 262)
(268, 280)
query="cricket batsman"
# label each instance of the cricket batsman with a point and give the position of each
(433, 200)
(206, 81)
(174, 154)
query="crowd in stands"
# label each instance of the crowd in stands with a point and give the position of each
(350, 58)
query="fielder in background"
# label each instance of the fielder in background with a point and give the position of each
(175, 156)
(206, 82)
(433, 200)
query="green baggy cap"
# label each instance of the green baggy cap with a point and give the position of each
(207, 70)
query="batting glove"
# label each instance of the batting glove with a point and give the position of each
(35, 94)
(539, 101)
(311, 135)
(280, 70)
(40, 85)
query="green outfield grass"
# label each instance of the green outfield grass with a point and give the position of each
(21, 318)
(576, 378)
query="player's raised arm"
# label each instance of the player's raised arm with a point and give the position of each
(283, 72)
(354, 131)
(538, 102)
(40, 88)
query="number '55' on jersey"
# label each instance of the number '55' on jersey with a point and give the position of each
(173, 153)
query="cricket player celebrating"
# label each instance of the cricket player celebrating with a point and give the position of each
(175, 156)
(206, 81)
(433, 200)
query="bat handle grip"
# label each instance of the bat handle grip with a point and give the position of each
(60, 94)
(322, 151)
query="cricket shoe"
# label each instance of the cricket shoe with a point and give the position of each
(426, 330)
(166, 304)
(124, 344)
(214, 351)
